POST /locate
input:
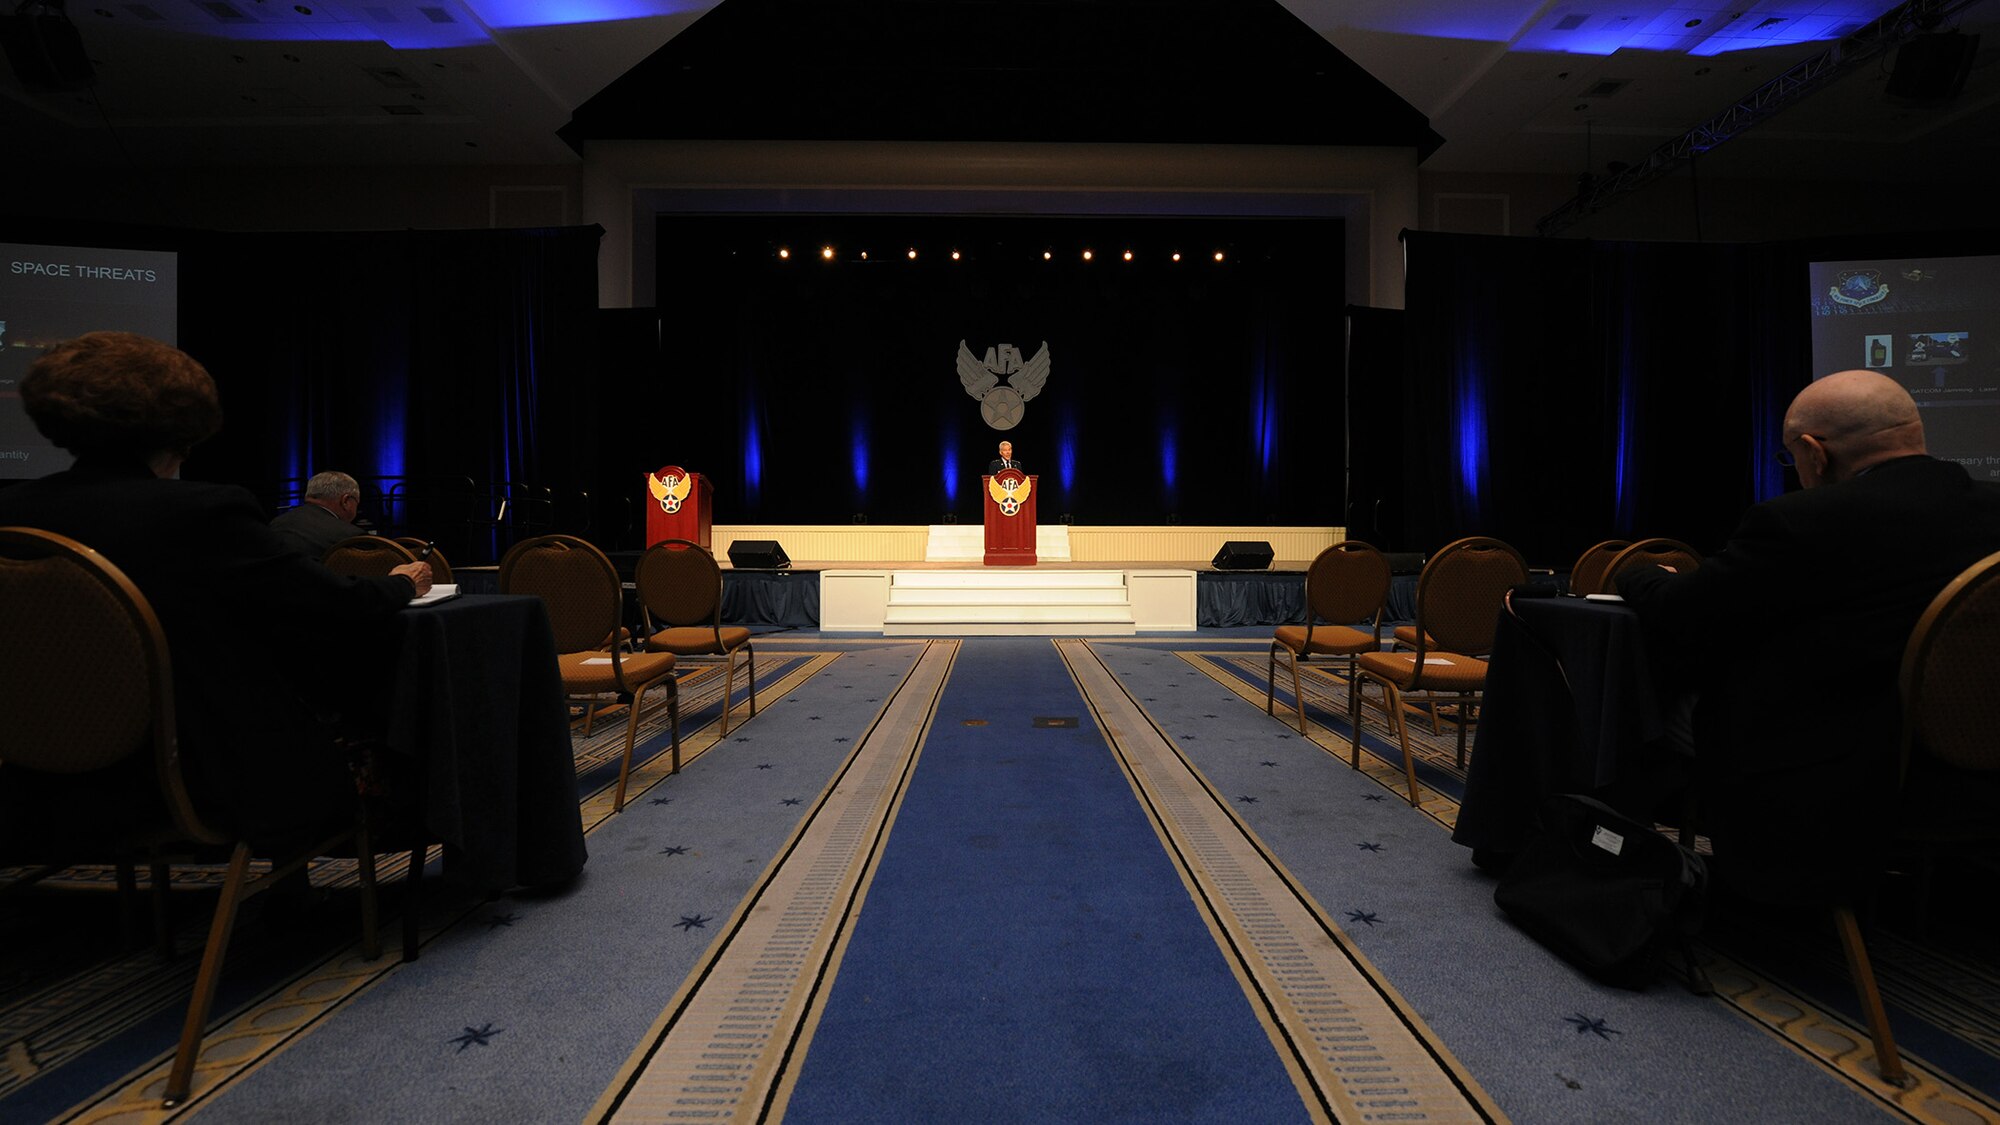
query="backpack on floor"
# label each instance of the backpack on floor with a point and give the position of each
(1605, 892)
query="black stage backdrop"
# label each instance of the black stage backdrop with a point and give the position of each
(1580, 391)
(824, 390)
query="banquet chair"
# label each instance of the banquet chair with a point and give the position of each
(1459, 595)
(680, 589)
(1950, 760)
(366, 556)
(586, 604)
(1347, 582)
(1593, 567)
(1650, 552)
(440, 569)
(93, 758)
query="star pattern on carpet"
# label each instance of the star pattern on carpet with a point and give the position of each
(692, 922)
(481, 1036)
(495, 921)
(814, 718)
(840, 740)
(1365, 917)
(1373, 797)
(677, 849)
(792, 801)
(661, 801)
(1585, 1024)
(1248, 800)
(740, 738)
(1267, 763)
(1189, 738)
(763, 765)
(1211, 716)
(1370, 847)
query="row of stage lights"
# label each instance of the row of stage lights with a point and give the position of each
(828, 254)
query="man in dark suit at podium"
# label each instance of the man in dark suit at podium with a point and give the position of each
(1005, 460)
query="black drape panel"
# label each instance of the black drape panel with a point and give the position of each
(1376, 385)
(1563, 392)
(433, 358)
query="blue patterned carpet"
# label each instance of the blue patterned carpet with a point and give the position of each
(994, 879)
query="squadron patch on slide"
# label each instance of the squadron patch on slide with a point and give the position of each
(999, 404)
(1010, 493)
(670, 486)
(1859, 288)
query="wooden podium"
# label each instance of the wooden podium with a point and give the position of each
(678, 506)
(1009, 500)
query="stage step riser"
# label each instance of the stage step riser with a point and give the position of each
(1010, 629)
(996, 615)
(1001, 596)
(999, 577)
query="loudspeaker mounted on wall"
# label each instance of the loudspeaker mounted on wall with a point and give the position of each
(758, 554)
(1932, 68)
(1243, 554)
(45, 48)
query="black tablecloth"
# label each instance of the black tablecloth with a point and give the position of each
(479, 702)
(1571, 705)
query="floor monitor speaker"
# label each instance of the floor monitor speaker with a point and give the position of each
(757, 554)
(1243, 554)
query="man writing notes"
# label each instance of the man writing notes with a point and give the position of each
(327, 516)
(1004, 461)
(1794, 634)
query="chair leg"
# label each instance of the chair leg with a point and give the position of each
(750, 674)
(1271, 681)
(1887, 1060)
(1298, 690)
(1394, 703)
(413, 897)
(625, 763)
(1354, 697)
(1359, 697)
(728, 688)
(371, 919)
(163, 909)
(206, 979)
(674, 718)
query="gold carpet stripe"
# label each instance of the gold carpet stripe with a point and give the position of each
(1358, 1049)
(726, 1047)
(242, 1041)
(1386, 772)
(1821, 1036)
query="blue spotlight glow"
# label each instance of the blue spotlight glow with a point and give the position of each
(753, 456)
(860, 460)
(950, 473)
(1169, 457)
(1471, 419)
(1066, 458)
(548, 13)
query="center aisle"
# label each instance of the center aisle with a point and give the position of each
(1027, 950)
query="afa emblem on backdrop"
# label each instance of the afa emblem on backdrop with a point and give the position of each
(1859, 288)
(1001, 404)
(670, 487)
(1010, 494)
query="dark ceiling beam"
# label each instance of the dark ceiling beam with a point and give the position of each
(1895, 27)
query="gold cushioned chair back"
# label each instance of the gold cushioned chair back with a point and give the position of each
(96, 687)
(577, 583)
(1951, 672)
(366, 556)
(1347, 583)
(1459, 594)
(680, 584)
(1651, 552)
(1589, 573)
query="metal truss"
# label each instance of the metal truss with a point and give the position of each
(1899, 25)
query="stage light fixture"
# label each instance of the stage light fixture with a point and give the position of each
(864, 255)
(1128, 255)
(826, 252)
(1047, 254)
(954, 255)
(913, 253)
(1218, 255)
(783, 252)
(1086, 255)
(1177, 255)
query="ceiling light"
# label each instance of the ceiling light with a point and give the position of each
(1128, 255)
(783, 252)
(1086, 255)
(826, 252)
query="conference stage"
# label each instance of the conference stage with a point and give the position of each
(916, 579)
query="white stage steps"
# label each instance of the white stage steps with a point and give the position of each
(997, 601)
(966, 543)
